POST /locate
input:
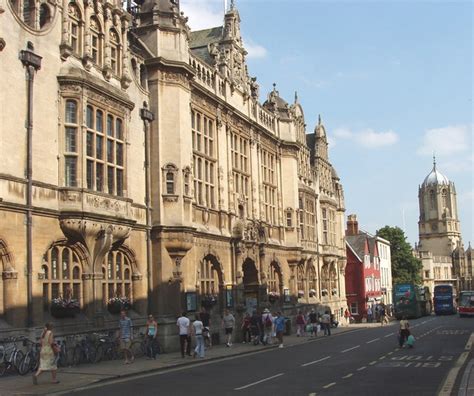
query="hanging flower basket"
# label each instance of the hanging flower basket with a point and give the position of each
(312, 293)
(208, 301)
(273, 297)
(324, 292)
(61, 308)
(300, 293)
(117, 304)
(334, 291)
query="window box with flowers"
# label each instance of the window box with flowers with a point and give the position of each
(273, 297)
(117, 304)
(312, 293)
(300, 293)
(62, 308)
(324, 292)
(334, 291)
(208, 301)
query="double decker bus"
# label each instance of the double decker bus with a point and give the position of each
(466, 303)
(444, 300)
(411, 300)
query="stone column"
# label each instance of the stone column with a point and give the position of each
(126, 78)
(88, 12)
(107, 71)
(64, 47)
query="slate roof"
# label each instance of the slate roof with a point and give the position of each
(201, 38)
(357, 244)
(310, 140)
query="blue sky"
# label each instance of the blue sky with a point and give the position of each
(392, 81)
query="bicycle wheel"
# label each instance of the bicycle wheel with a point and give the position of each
(25, 364)
(91, 353)
(77, 355)
(17, 358)
(99, 353)
(138, 348)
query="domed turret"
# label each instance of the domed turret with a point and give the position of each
(435, 177)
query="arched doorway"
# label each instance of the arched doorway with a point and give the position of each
(210, 282)
(250, 284)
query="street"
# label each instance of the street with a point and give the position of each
(359, 362)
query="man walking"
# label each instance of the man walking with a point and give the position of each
(197, 330)
(279, 328)
(183, 324)
(369, 314)
(326, 321)
(313, 321)
(404, 331)
(206, 322)
(125, 336)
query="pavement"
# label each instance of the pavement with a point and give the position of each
(89, 374)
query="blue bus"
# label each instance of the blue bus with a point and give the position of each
(444, 300)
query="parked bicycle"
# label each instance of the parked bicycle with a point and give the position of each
(142, 347)
(108, 349)
(84, 352)
(30, 360)
(10, 355)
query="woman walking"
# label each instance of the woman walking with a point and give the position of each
(300, 324)
(47, 355)
(198, 328)
(151, 334)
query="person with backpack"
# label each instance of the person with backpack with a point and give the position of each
(279, 328)
(313, 321)
(300, 324)
(267, 322)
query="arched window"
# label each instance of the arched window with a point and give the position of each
(169, 183)
(44, 15)
(312, 281)
(432, 199)
(62, 271)
(274, 279)
(444, 198)
(75, 29)
(29, 14)
(117, 276)
(96, 41)
(300, 280)
(70, 146)
(208, 280)
(114, 51)
(170, 173)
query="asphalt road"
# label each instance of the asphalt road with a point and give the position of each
(359, 362)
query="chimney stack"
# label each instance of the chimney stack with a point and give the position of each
(352, 225)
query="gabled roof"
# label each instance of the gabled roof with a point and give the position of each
(202, 38)
(357, 244)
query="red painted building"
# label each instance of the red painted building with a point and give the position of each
(363, 283)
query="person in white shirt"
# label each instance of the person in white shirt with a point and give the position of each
(183, 324)
(267, 323)
(198, 328)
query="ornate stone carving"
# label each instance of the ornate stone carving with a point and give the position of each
(6, 275)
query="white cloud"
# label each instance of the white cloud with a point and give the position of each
(367, 138)
(445, 141)
(255, 51)
(372, 139)
(203, 14)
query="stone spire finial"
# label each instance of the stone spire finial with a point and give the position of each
(296, 97)
(319, 119)
(434, 160)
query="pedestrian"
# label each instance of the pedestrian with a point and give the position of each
(369, 314)
(125, 336)
(183, 324)
(151, 337)
(347, 316)
(383, 318)
(198, 328)
(206, 332)
(404, 331)
(47, 354)
(326, 322)
(279, 328)
(300, 324)
(267, 323)
(313, 321)
(246, 329)
(228, 322)
(255, 324)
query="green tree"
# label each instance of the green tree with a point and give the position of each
(405, 267)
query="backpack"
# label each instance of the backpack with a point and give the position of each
(268, 321)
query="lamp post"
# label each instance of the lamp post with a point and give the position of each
(32, 62)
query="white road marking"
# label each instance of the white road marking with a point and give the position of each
(259, 382)
(348, 375)
(388, 335)
(350, 349)
(371, 341)
(361, 368)
(373, 362)
(329, 385)
(312, 394)
(316, 361)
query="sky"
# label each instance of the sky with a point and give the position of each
(392, 80)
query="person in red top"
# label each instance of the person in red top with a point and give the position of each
(246, 337)
(300, 324)
(347, 316)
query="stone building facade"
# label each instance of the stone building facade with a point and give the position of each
(150, 168)
(440, 247)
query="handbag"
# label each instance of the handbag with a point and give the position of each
(56, 348)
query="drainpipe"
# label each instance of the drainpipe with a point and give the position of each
(147, 116)
(32, 62)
